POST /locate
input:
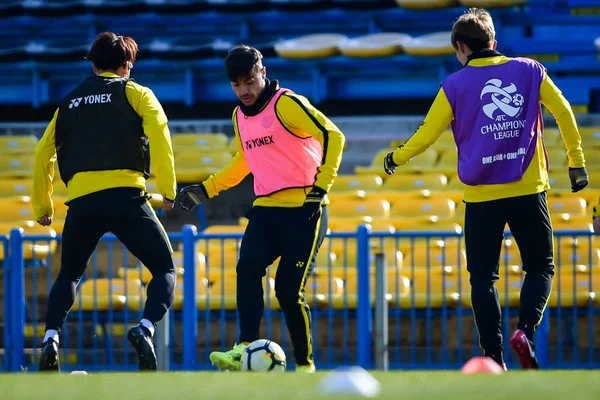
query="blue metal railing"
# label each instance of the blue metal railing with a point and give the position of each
(428, 297)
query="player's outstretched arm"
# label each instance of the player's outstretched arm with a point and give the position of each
(43, 174)
(553, 99)
(435, 123)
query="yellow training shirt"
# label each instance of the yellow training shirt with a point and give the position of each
(535, 178)
(154, 121)
(303, 120)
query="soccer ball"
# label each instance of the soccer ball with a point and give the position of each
(263, 356)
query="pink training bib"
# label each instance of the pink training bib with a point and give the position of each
(277, 158)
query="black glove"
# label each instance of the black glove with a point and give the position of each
(312, 204)
(388, 163)
(191, 196)
(579, 179)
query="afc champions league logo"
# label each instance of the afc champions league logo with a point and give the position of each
(504, 99)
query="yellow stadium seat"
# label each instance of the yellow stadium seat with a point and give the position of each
(223, 294)
(590, 136)
(416, 182)
(16, 209)
(557, 158)
(425, 160)
(397, 290)
(448, 162)
(424, 208)
(233, 146)
(376, 167)
(559, 181)
(199, 141)
(575, 289)
(571, 222)
(352, 183)
(38, 250)
(110, 294)
(374, 45)
(552, 138)
(571, 205)
(426, 224)
(23, 144)
(592, 159)
(321, 288)
(201, 295)
(425, 4)
(354, 208)
(195, 166)
(431, 44)
(15, 187)
(445, 142)
(152, 185)
(16, 165)
(436, 254)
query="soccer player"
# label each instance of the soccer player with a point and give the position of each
(101, 136)
(294, 153)
(493, 105)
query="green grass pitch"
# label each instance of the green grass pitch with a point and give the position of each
(542, 385)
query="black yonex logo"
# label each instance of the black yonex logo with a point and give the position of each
(259, 142)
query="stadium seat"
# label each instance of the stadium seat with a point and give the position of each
(15, 187)
(424, 160)
(426, 224)
(321, 288)
(352, 183)
(424, 4)
(436, 254)
(579, 290)
(416, 182)
(311, 46)
(590, 136)
(194, 166)
(16, 165)
(16, 209)
(376, 167)
(201, 142)
(110, 295)
(592, 159)
(424, 208)
(448, 162)
(201, 295)
(354, 208)
(38, 250)
(567, 205)
(374, 45)
(398, 290)
(223, 294)
(559, 182)
(552, 138)
(433, 44)
(22, 144)
(445, 142)
(557, 158)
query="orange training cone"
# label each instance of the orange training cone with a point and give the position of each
(481, 365)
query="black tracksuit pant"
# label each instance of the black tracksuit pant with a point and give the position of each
(274, 232)
(529, 222)
(126, 213)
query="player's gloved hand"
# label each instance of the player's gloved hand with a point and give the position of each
(596, 218)
(191, 196)
(312, 204)
(579, 179)
(388, 163)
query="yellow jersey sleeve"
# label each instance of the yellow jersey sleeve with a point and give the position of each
(233, 173)
(303, 120)
(154, 122)
(43, 172)
(436, 121)
(553, 99)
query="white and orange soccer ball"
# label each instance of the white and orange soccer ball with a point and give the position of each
(263, 356)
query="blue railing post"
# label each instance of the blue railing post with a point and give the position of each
(363, 313)
(542, 339)
(190, 311)
(17, 314)
(7, 303)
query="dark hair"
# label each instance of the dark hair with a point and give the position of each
(241, 60)
(475, 28)
(110, 52)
